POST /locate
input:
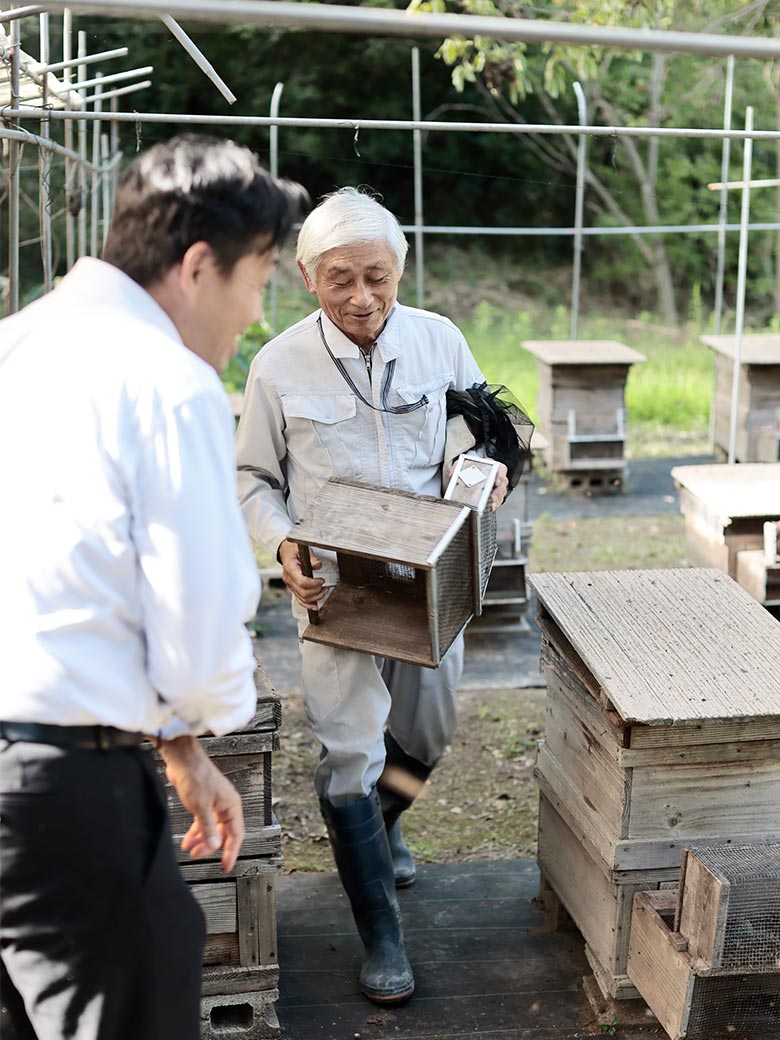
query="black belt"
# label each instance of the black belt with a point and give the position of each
(96, 738)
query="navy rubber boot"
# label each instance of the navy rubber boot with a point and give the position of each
(359, 841)
(402, 779)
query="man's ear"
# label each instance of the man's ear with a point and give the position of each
(307, 281)
(196, 262)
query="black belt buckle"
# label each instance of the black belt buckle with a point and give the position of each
(102, 738)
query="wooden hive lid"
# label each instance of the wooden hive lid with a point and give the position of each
(669, 646)
(757, 349)
(750, 489)
(380, 523)
(582, 352)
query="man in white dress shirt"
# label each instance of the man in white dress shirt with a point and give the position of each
(127, 578)
(358, 390)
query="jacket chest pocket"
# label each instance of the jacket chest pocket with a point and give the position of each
(425, 427)
(322, 436)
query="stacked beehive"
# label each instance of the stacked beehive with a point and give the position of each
(663, 730)
(240, 962)
(758, 396)
(581, 407)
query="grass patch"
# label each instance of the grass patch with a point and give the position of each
(607, 543)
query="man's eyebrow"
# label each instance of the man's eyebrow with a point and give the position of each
(346, 269)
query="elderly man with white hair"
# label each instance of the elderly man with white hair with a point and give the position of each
(358, 390)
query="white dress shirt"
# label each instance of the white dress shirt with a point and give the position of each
(302, 424)
(126, 575)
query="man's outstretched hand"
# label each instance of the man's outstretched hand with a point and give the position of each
(214, 802)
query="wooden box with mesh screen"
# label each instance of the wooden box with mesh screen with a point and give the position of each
(706, 957)
(406, 580)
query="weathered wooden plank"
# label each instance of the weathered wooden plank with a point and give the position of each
(249, 775)
(661, 973)
(582, 352)
(721, 651)
(761, 348)
(612, 987)
(220, 979)
(378, 523)
(600, 908)
(704, 799)
(724, 751)
(599, 781)
(630, 858)
(375, 621)
(757, 577)
(259, 841)
(747, 490)
(702, 906)
(218, 902)
(256, 912)
(208, 870)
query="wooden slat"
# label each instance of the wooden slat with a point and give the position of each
(669, 646)
(661, 973)
(220, 979)
(247, 774)
(582, 352)
(750, 489)
(218, 902)
(257, 920)
(375, 621)
(757, 349)
(702, 907)
(378, 523)
(711, 798)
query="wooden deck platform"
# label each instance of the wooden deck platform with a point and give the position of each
(485, 966)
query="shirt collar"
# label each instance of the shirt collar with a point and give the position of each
(388, 342)
(96, 281)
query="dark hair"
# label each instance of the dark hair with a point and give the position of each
(195, 188)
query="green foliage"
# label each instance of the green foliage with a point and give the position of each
(234, 376)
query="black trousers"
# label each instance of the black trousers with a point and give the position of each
(100, 938)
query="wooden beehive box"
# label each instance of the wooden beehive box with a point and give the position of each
(662, 731)
(758, 409)
(581, 405)
(406, 577)
(240, 953)
(706, 956)
(725, 509)
(758, 570)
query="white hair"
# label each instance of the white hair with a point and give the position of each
(344, 218)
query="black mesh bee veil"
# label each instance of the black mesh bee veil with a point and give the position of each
(498, 423)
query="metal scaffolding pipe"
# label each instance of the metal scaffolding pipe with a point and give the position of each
(44, 164)
(82, 146)
(118, 92)
(14, 187)
(25, 137)
(115, 77)
(409, 124)
(273, 159)
(579, 200)
(723, 209)
(385, 22)
(741, 288)
(67, 59)
(97, 127)
(198, 57)
(418, 178)
(106, 185)
(72, 63)
(20, 12)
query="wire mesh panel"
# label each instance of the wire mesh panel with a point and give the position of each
(454, 592)
(749, 878)
(738, 1006)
